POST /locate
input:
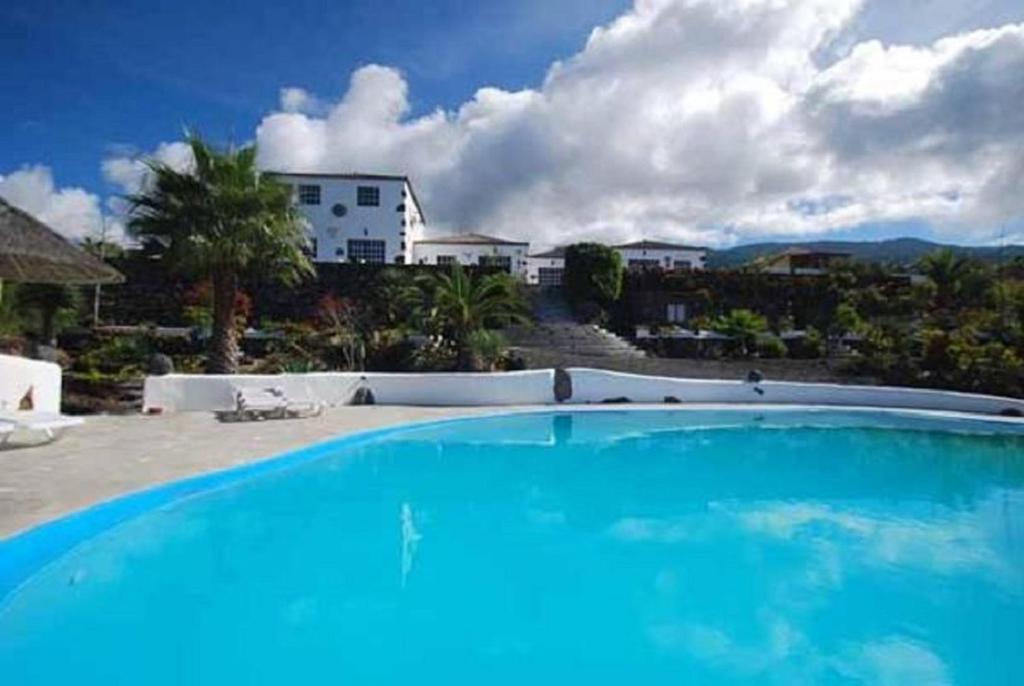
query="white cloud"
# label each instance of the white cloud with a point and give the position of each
(128, 172)
(698, 120)
(892, 662)
(73, 212)
(955, 543)
(299, 100)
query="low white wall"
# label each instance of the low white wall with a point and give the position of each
(595, 386)
(18, 374)
(188, 393)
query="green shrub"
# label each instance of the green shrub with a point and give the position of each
(486, 347)
(810, 347)
(743, 326)
(771, 347)
(121, 356)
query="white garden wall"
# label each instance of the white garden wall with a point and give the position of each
(595, 386)
(185, 392)
(18, 374)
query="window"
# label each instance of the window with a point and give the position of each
(499, 261)
(339, 252)
(399, 259)
(339, 210)
(550, 276)
(683, 264)
(675, 313)
(644, 264)
(368, 196)
(446, 260)
(309, 195)
(401, 207)
(366, 251)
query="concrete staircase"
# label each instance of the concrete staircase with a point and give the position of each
(557, 333)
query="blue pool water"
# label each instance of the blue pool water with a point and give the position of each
(566, 548)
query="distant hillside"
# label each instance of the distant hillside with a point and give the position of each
(902, 251)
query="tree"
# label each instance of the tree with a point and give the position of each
(947, 271)
(844, 320)
(220, 220)
(49, 301)
(742, 326)
(342, 325)
(593, 272)
(394, 299)
(459, 306)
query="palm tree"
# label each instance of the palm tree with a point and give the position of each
(221, 220)
(742, 326)
(947, 272)
(460, 306)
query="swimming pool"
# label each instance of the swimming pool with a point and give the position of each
(648, 547)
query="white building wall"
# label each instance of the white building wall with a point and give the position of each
(385, 221)
(469, 254)
(535, 264)
(415, 225)
(667, 258)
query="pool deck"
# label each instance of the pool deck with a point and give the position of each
(112, 455)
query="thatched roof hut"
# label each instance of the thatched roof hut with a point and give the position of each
(32, 252)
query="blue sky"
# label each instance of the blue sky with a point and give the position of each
(95, 76)
(693, 120)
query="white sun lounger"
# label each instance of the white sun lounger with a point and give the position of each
(6, 429)
(268, 403)
(49, 423)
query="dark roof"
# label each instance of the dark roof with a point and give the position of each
(553, 253)
(347, 175)
(356, 176)
(656, 245)
(32, 252)
(470, 239)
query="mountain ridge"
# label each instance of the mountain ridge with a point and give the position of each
(900, 251)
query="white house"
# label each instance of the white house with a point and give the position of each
(546, 268)
(474, 249)
(667, 256)
(365, 218)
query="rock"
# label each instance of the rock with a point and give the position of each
(620, 400)
(159, 365)
(46, 353)
(514, 362)
(563, 385)
(363, 396)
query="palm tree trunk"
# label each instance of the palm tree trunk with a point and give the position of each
(465, 359)
(223, 356)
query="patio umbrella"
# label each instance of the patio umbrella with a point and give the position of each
(32, 252)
